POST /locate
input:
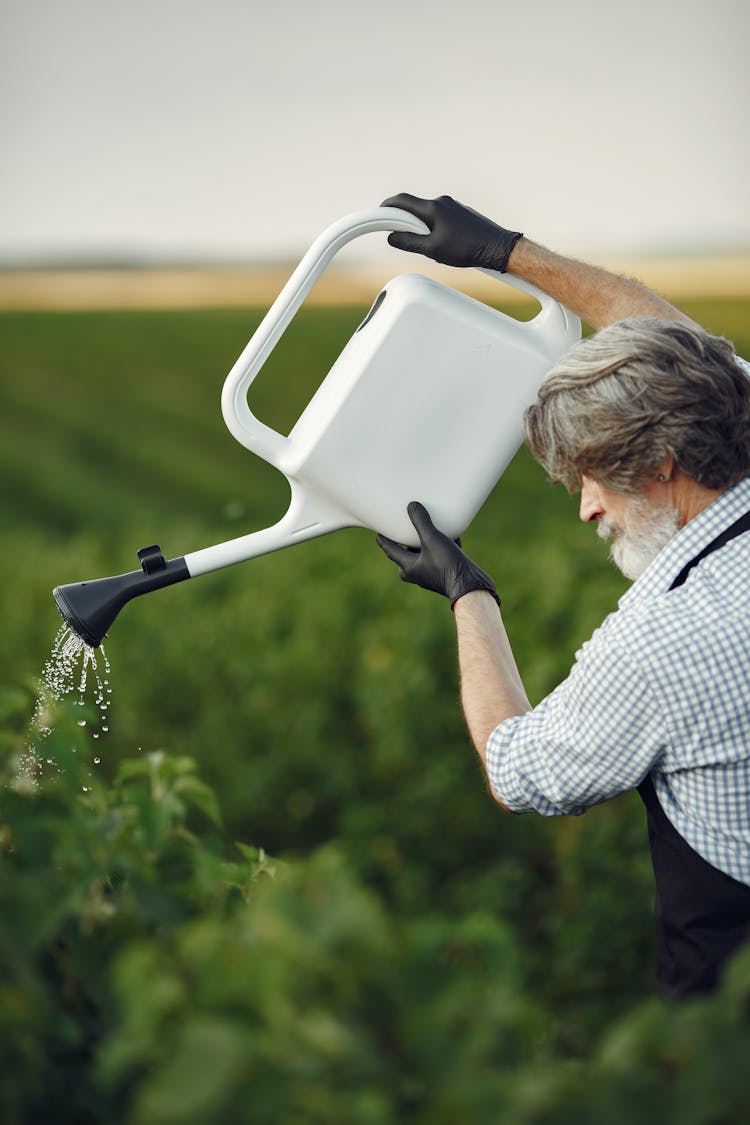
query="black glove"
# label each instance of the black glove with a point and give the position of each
(459, 236)
(438, 564)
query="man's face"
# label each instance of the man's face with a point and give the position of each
(639, 528)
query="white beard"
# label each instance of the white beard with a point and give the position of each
(645, 531)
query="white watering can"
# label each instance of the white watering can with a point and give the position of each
(425, 402)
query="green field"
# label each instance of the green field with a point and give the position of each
(419, 956)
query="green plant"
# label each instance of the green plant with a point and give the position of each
(152, 973)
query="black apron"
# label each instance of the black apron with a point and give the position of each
(702, 915)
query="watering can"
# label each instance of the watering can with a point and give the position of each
(425, 402)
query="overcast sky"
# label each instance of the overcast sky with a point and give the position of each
(241, 128)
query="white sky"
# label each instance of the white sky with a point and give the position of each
(223, 128)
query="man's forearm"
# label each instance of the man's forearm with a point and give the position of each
(597, 296)
(491, 686)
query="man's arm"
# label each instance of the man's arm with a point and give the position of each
(594, 294)
(462, 237)
(491, 686)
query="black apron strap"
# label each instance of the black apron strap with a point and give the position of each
(734, 529)
(702, 915)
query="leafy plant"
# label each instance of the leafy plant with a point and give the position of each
(153, 973)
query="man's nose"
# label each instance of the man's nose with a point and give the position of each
(591, 507)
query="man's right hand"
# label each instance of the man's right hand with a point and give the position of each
(438, 564)
(458, 236)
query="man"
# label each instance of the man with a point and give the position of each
(650, 420)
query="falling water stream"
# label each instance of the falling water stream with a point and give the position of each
(73, 668)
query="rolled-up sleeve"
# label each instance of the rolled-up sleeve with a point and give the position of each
(595, 736)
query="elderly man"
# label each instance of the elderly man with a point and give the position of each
(650, 420)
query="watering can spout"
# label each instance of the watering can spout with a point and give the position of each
(89, 608)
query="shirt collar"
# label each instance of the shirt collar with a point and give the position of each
(690, 541)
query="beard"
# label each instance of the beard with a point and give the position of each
(644, 532)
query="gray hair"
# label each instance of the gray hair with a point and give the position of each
(619, 402)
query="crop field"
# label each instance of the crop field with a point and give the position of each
(282, 893)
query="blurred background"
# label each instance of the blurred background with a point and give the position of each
(164, 165)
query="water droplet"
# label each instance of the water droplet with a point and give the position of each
(82, 722)
(95, 736)
(105, 728)
(97, 761)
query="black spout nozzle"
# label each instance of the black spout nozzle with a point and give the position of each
(89, 608)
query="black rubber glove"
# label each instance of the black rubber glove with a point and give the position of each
(438, 564)
(459, 236)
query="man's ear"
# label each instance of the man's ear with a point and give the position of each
(666, 469)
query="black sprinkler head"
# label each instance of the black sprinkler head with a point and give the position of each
(89, 608)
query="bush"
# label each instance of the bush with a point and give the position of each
(153, 973)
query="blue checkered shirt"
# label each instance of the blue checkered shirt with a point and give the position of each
(662, 686)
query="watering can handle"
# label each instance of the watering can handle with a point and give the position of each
(553, 317)
(240, 420)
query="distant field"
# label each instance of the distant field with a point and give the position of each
(679, 279)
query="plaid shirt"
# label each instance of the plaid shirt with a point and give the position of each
(662, 686)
